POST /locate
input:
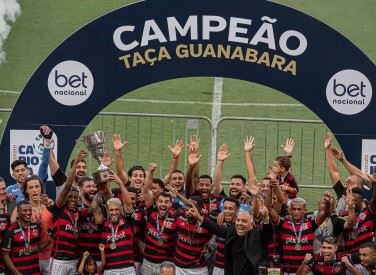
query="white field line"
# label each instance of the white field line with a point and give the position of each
(191, 102)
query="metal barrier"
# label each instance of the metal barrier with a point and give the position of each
(149, 134)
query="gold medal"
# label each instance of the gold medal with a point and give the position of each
(298, 246)
(27, 252)
(160, 241)
(354, 236)
(113, 246)
(91, 229)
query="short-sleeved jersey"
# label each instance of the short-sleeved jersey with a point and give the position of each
(190, 242)
(137, 225)
(14, 244)
(293, 257)
(4, 224)
(122, 255)
(366, 226)
(318, 266)
(65, 243)
(242, 207)
(88, 241)
(154, 252)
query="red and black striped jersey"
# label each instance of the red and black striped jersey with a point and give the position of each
(154, 251)
(88, 241)
(122, 255)
(65, 242)
(289, 181)
(190, 242)
(293, 254)
(136, 225)
(364, 233)
(4, 224)
(318, 266)
(14, 244)
(220, 254)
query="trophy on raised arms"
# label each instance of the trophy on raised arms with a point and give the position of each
(94, 142)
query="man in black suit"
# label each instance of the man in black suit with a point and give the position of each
(245, 244)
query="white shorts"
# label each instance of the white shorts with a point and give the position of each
(121, 271)
(149, 268)
(192, 271)
(218, 271)
(62, 267)
(44, 266)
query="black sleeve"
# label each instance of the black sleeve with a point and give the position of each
(311, 265)
(213, 216)
(337, 225)
(220, 231)
(59, 177)
(339, 189)
(267, 232)
(8, 241)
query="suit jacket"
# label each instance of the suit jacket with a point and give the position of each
(255, 243)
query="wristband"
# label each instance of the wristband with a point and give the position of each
(351, 207)
(175, 157)
(289, 156)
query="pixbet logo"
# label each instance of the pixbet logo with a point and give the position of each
(70, 83)
(349, 92)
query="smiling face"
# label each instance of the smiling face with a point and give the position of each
(204, 188)
(80, 171)
(277, 168)
(244, 223)
(114, 212)
(328, 250)
(88, 190)
(236, 187)
(264, 187)
(229, 211)
(90, 267)
(33, 189)
(72, 200)
(177, 181)
(24, 212)
(367, 256)
(163, 205)
(137, 179)
(20, 173)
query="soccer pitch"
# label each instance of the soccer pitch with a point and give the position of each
(44, 24)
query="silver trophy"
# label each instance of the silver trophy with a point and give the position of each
(94, 142)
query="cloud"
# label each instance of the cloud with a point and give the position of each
(9, 11)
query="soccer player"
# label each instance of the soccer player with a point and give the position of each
(329, 261)
(297, 234)
(22, 242)
(20, 172)
(4, 218)
(367, 253)
(117, 234)
(65, 225)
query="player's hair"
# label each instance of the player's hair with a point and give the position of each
(83, 179)
(234, 200)
(73, 160)
(238, 176)
(135, 168)
(114, 201)
(284, 162)
(206, 177)
(18, 162)
(33, 177)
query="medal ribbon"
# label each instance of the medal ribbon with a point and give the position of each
(357, 223)
(23, 235)
(88, 219)
(163, 225)
(74, 224)
(300, 231)
(334, 262)
(112, 230)
(189, 233)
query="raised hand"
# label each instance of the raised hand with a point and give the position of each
(101, 247)
(271, 174)
(327, 196)
(254, 190)
(337, 153)
(152, 167)
(350, 184)
(106, 159)
(45, 200)
(349, 199)
(113, 177)
(373, 177)
(222, 152)
(172, 190)
(179, 145)
(116, 141)
(307, 258)
(289, 147)
(328, 140)
(193, 159)
(249, 144)
(194, 141)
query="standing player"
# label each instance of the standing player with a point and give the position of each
(22, 242)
